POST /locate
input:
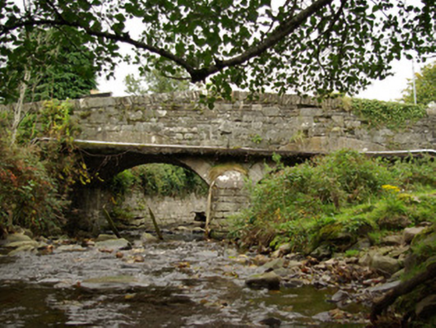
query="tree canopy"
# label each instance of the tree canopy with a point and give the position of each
(308, 46)
(50, 67)
(425, 83)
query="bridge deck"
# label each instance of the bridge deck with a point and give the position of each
(107, 147)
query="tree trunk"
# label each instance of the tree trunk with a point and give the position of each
(19, 105)
(209, 209)
(402, 289)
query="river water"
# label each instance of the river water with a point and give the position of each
(173, 284)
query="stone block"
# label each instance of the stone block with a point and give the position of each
(97, 102)
(339, 120)
(271, 111)
(311, 111)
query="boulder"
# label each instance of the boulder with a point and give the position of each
(285, 249)
(198, 230)
(148, 238)
(361, 244)
(274, 264)
(335, 236)
(283, 272)
(268, 280)
(321, 252)
(71, 248)
(22, 249)
(383, 288)
(114, 244)
(293, 264)
(385, 264)
(104, 237)
(16, 237)
(410, 233)
(392, 240)
(340, 296)
(18, 244)
(183, 229)
(271, 322)
(394, 222)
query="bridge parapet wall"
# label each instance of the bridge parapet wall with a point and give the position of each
(272, 122)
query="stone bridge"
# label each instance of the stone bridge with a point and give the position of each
(232, 140)
(225, 144)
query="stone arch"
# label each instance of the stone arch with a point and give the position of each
(94, 197)
(111, 164)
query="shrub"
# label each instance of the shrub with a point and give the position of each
(35, 179)
(344, 190)
(28, 194)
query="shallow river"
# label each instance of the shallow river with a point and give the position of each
(179, 284)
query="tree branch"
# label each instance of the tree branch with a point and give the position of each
(124, 38)
(283, 30)
(197, 74)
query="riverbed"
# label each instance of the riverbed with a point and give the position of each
(182, 282)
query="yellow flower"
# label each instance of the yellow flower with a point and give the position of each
(390, 188)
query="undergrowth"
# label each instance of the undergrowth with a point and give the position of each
(335, 199)
(36, 178)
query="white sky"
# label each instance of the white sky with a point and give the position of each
(389, 89)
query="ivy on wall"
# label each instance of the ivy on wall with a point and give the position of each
(393, 115)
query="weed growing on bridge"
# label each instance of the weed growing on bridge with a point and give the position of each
(257, 139)
(391, 114)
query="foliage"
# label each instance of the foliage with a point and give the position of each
(158, 180)
(425, 83)
(122, 183)
(29, 194)
(416, 173)
(317, 46)
(58, 67)
(257, 139)
(390, 114)
(36, 178)
(134, 86)
(335, 198)
(154, 81)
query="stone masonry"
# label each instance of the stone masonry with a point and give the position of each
(272, 122)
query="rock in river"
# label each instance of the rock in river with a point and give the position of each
(114, 244)
(268, 280)
(148, 238)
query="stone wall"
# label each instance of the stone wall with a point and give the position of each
(271, 122)
(167, 210)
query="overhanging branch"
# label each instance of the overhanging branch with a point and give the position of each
(197, 74)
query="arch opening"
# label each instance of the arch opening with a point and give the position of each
(175, 194)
